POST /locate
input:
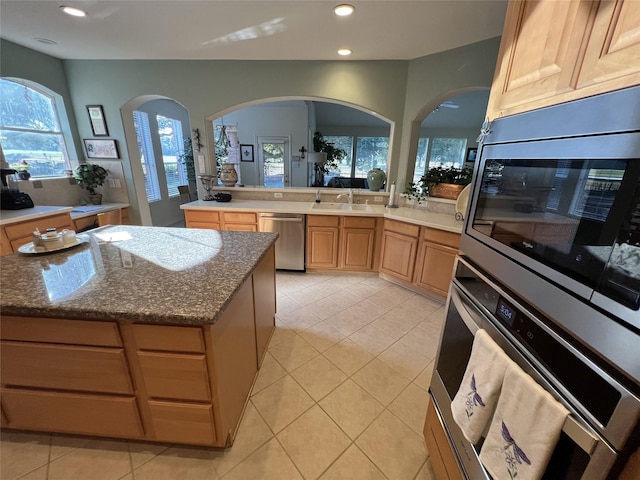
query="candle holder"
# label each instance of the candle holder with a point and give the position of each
(208, 182)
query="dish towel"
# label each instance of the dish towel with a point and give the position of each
(477, 396)
(524, 430)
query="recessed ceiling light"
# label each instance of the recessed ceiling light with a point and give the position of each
(344, 52)
(46, 41)
(343, 10)
(73, 11)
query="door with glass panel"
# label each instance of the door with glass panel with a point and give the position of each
(274, 161)
(160, 134)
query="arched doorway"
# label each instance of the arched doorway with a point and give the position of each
(158, 132)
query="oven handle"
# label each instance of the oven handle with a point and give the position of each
(576, 432)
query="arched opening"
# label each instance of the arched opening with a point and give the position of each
(445, 131)
(290, 122)
(158, 132)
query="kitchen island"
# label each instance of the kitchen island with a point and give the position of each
(139, 332)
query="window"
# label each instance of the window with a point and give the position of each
(30, 130)
(370, 152)
(421, 159)
(147, 158)
(172, 143)
(447, 152)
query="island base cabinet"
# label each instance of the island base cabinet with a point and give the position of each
(183, 422)
(72, 413)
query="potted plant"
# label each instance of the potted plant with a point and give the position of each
(90, 176)
(22, 169)
(445, 182)
(334, 155)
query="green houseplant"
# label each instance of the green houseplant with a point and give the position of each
(445, 182)
(90, 176)
(334, 156)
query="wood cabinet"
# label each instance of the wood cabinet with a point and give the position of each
(14, 235)
(420, 258)
(553, 52)
(436, 258)
(443, 459)
(90, 221)
(167, 383)
(342, 242)
(221, 220)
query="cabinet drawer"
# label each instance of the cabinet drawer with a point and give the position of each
(25, 229)
(442, 237)
(401, 227)
(62, 367)
(206, 226)
(56, 330)
(201, 216)
(173, 376)
(183, 422)
(239, 217)
(168, 338)
(323, 221)
(358, 222)
(241, 227)
(72, 413)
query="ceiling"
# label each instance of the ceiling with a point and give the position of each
(249, 30)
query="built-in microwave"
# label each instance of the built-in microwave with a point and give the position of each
(555, 214)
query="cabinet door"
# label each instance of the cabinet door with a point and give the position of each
(357, 248)
(434, 267)
(398, 255)
(539, 50)
(613, 51)
(202, 219)
(322, 247)
(442, 457)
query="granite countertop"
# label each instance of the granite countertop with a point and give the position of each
(418, 216)
(140, 274)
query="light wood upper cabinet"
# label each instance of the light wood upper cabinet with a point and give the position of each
(553, 52)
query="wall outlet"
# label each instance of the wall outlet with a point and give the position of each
(277, 195)
(37, 183)
(377, 199)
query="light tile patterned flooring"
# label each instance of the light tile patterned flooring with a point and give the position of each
(342, 394)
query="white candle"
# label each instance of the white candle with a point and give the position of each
(392, 194)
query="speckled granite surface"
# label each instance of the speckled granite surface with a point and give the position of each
(144, 274)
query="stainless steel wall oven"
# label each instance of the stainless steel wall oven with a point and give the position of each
(555, 214)
(604, 413)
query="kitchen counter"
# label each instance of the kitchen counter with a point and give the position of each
(139, 274)
(13, 216)
(417, 216)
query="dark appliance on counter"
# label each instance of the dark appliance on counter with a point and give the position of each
(12, 199)
(552, 236)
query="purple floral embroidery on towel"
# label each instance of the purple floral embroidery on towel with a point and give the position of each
(512, 457)
(473, 398)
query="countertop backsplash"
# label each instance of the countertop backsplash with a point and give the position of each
(64, 191)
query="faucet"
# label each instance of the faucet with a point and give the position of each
(348, 195)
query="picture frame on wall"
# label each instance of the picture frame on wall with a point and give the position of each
(101, 148)
(246, 153)
(97, 121)
(472, 153)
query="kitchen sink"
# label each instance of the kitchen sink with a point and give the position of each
(341, 206)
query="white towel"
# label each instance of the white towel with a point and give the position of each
(524, 430)
(477, 396)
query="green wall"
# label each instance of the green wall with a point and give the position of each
(397, 90)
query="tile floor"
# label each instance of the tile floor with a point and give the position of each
(342, 394)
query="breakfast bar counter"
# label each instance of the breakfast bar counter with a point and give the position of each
(144, 333)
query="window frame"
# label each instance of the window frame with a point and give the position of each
(64, 134)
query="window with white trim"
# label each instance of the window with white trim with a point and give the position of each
(30, 129)
(147, 158)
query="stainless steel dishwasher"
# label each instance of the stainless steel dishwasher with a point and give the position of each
(291, 243)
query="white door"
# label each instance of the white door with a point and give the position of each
(274, 161)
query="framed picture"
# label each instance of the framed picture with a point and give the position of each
(98, 123)
(471, 154)
(101, 148)
(246, 153)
